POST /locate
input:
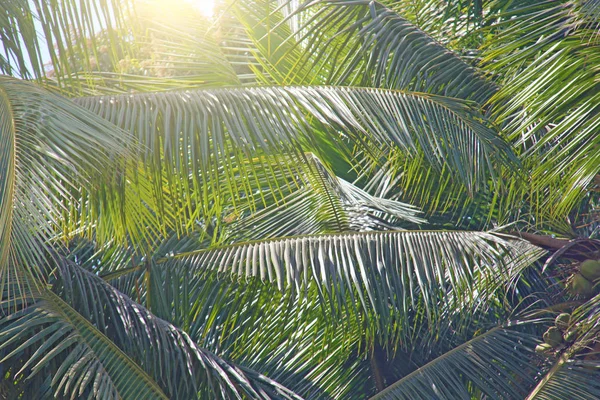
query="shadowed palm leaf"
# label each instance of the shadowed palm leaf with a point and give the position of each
(90, 316)
(495, 364)
(59, 157)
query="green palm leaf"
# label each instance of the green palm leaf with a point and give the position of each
(58, 161)
(495, 364)
(117, 348)
(76, 47)
(200, 131)
(165, 352)
(257, 326)
(548, 53)
(385, 273)
(95, 366)
(524, 28)
(569, 379)
(324, 204)
(358, 43)
(449, 22)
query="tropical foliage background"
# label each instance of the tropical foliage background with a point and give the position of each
(299, 199)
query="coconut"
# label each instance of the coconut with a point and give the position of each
(581, 286)
(542, 348)
(571, 336)
(590, 269)
(553, 336)
(562, 321)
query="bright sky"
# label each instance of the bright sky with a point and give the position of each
(205, 7)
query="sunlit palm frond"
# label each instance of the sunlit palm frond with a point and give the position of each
(61, 32)
(203, 135)
(548, 102)
(359, 43)
(58, 163)
(77, 47)
(384, 273)
(448, 22)
(257, 326)
(119, 346)
(271, 332)
(523, 28)
(165, 352)
(324, 204)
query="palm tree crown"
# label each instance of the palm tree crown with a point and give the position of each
(300, 199)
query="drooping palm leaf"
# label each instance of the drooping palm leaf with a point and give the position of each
(78, 47)
(571, 379)
(200, 131)
(164, 351)
(324, 204)
(560, 120)
(58, 163)
(35, 30)
(159, 352)
(495, 364)
(449, 22)
(547, 53)
(234, 316)
(359, 43)
(522, 28)
(269, 331)
(384, 273)
(95, 366)
(255, 325)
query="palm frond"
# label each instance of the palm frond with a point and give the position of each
(166, 353)
(495, 364)
(95, 366)
(385, 273)
(548, 101)
(324, 204)
(58, 161)
(569, 379)
(77, 47)
(271, 332)
(522, 28)
(259, 327)
(62, 30)
(358, 43)
(202, 135)
(449, 22)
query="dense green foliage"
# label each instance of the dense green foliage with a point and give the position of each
(321, 199)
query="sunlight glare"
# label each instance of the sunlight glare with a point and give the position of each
(205, 7)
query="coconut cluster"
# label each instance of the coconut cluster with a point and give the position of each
(557, 335)
(586, 283)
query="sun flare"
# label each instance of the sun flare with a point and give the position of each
(205, 7)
